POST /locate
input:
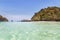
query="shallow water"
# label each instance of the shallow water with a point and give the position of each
(29, 30)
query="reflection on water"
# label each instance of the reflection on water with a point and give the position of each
(29, 30)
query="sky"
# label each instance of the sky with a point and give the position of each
(24, 9)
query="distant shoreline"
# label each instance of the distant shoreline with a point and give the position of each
(39, 21)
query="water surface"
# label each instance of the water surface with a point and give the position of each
(29, 30)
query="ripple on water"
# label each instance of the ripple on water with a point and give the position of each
(29, 31)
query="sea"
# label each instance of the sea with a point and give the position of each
(30, 30)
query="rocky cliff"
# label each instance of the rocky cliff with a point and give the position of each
(47, 14)
(3, 19)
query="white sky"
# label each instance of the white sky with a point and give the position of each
(17, 17)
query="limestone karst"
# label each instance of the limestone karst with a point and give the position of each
(2, 19)
(47, 14)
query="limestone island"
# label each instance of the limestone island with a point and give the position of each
(3, 19)
(47, 14)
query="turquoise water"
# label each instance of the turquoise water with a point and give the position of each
(29, 30)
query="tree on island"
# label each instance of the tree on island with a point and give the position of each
(2, 19)
(47, 14)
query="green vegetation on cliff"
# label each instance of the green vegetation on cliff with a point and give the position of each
(47, 14)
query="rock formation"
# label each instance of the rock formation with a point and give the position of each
(25, 20)
(47, 14)
(3, 19)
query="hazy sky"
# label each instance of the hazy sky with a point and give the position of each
(24, 9)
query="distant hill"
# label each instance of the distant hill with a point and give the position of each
(2, 19)
(47, 14)
(25, 20)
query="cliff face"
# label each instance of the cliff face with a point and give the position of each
(47, 14)
(3, 19)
